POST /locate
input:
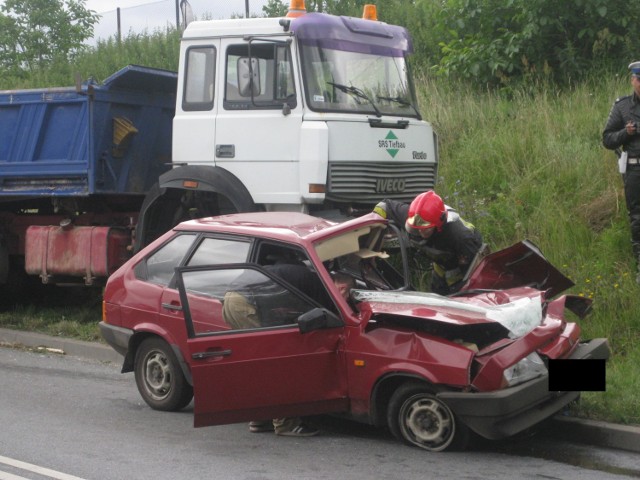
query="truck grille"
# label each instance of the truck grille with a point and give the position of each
(368, 183)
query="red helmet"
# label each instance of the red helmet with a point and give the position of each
(426, 211)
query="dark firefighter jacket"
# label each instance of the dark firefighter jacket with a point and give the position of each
(451, 250)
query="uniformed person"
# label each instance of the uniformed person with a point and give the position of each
(450, 242)
(622, 135)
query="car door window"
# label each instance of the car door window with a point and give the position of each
(292, 265)
(160, 266)
(250, 299)
(214, 251)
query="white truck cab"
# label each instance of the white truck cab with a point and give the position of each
(309, 113)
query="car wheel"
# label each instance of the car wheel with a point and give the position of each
(159, 377)
(417, 417)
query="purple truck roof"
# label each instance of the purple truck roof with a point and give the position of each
(352, 34)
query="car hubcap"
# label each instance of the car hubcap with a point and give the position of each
(158, 375)
(428, 423)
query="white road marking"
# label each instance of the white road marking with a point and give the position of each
(9, 476)
(32, 468)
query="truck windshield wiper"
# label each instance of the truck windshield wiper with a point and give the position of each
(404, 102)
(357, 92)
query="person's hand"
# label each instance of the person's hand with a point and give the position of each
(631, 128)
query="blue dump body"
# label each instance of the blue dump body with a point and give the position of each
(108, 139)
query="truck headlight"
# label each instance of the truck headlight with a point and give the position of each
(529, 367)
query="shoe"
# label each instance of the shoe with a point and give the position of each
(259, 426)
(301, 430)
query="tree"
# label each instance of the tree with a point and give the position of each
(353, 8)
(279, 8)
(495, 41)
(275, 8)
(37, 33)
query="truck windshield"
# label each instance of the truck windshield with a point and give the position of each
(354, 82)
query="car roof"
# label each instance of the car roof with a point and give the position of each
(291, 226)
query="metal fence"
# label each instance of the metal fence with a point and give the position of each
(150, 15)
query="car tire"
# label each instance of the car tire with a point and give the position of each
(159, 377)
(417, 417)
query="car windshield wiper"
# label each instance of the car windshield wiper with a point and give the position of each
(357, 92)
(404, 102)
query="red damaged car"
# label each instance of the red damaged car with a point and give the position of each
(429, 367)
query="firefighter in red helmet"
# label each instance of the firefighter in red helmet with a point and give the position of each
(447, 240)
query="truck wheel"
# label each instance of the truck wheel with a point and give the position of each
(159, 378)
(417, 417)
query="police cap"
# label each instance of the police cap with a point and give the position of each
(634, 68)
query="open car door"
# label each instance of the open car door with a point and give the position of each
(262, 366)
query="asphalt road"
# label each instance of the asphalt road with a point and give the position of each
(82, 419)
(575, 430)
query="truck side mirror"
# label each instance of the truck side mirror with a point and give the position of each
(248, 76)
(318, 319)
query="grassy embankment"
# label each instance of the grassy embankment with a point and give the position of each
(533, 166)
(528, 166)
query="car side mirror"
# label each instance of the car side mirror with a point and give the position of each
(318, 319)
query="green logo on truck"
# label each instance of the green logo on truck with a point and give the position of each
(391, 144)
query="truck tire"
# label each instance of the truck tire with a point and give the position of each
(417, 417)
(168, 202)
(159, 377)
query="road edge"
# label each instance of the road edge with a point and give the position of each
(61, 345)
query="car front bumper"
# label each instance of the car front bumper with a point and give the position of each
(505, 412)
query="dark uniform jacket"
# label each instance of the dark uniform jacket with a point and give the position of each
(615, 135)
(451, 250)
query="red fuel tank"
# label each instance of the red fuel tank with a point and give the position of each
(58, 253)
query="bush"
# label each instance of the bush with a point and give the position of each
(496, 41)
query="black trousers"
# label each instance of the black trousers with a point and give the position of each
(632, 196)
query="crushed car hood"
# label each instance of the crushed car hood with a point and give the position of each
(511, 313)
(521, 264)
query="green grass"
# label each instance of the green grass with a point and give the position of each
(78, 322)
(72, 312)
(532, 166)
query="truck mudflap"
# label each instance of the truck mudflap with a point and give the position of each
(506, 412)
